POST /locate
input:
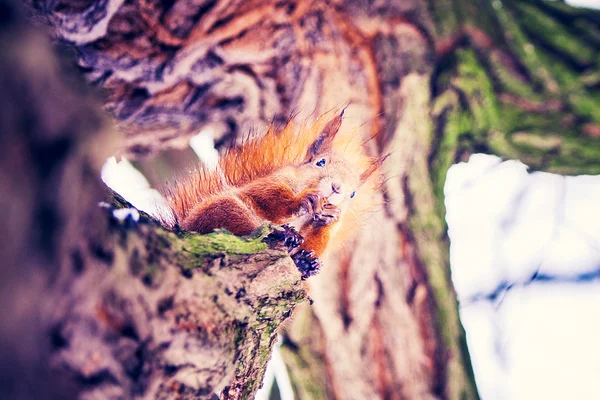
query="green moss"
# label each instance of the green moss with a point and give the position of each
(580, 99)
(223, 242)
(247, 390)
(536, 143)
(521, 46)
(464, 127)
(542, 140)
(445, 14)
(554, 34)
(473, 80)
(590, 78)
(457, 124)
(510, 82)
(585, 104)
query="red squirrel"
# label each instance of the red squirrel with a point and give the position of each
(299, 179)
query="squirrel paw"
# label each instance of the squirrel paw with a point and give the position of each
(313, 203)
(307, 263)
(329, 214)
(322, 212)
(289, 236)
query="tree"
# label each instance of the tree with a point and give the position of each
(431, 81)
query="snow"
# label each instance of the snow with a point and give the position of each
(203, 145)
(123, 214)
(551, 341)
(125, 179)
(525, 261)
(584, 3)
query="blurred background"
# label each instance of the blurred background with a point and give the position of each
(525, 258)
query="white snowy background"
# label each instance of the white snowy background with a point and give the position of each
(525, 262)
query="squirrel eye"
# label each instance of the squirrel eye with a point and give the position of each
(321, 163)
(352, 194)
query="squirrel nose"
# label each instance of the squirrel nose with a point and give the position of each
(335, 187)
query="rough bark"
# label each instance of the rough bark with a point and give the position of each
(96, 303)
(432, 81)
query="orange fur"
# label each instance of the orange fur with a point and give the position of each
(274, 178)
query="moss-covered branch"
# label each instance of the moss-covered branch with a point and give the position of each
(529, 94)
(195, 314)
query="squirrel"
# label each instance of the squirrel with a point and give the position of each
(303, 180)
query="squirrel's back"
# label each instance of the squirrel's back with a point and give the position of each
(254, 158)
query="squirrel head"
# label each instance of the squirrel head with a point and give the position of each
(337, 179)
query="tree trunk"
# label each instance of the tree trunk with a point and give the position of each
(431, 81)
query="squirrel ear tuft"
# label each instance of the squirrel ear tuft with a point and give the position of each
(324, 141)
(372, 168)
